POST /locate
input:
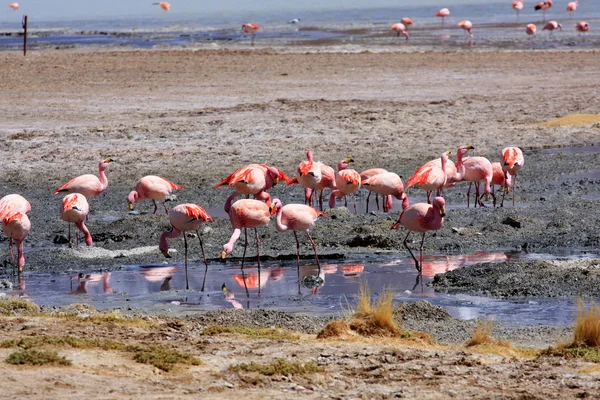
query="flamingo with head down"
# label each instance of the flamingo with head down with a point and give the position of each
(75, 209)
(251, 28)
(551, 26)
(347, 182)
(467, 27)
(512, 161)
(389, 185)
(153, 188)
(400, 28)
(16, 226)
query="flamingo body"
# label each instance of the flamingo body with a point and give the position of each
(246, 213)
(88, 185)
(164, 5)
(582, 26)
(431, 175)
(387, 184)
(309, 172)
(347, 181)
(543, 5)
(444, 12)
(13, 203)
(466, 26)
(75, 209)
(14, 6)
(16, 226)
(400, 29)
(530, 29)
(552, 25)
(517, 5)
(250, 28)
(296, 217)
(153, 188)
(407, 21)
(572, 6)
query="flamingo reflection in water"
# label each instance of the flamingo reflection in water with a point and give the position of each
(84, 280)
(160, 274)
(313, 276)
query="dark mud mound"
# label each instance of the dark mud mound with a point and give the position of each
(514, 279)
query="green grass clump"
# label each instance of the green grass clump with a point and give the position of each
(36, 357)
(10, 306)
(62, 341)
(278, 367)
(164, 358)
(585, 353)
(258, 333)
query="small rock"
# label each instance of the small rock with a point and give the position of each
(5, 284)
(456, 230)
(510, 221)
(60, 239)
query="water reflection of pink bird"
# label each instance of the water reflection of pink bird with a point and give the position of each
(309, 272)
(400, 29)
(184, 218)
(163, 4)
(74, 209)
(158, 273)
(153, 188)
(352, 270)
(230, 298)
(252, 280)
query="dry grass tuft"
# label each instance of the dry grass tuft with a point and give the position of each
(36, 357)
(164, 358)
(258, 333)
(574, 120)
(333, 329)
(374, 319)
(587, 325)
(12, 306)
(278, 367)
(482, 336)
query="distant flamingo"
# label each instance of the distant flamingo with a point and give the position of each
(16, 226)
(327, 182)
(501, 179)
(247, 213)
(252, 29)
(443, 13)
(467, 26)
(517, 6)
(530, 29)
(572, 6)
(512, 161)
(297, 217)
(582, 27)
(399, 28)
(366, 175)
(88, 185)
(153, 188)
(308, 174)
(75, 209)
(387, 184)
(431, 175)
(184, 218)
(407, 21)
(347, 182)
(543, 5)
(253, 179)
(13, 203)
(551, 26)
(421, 217)
(478, 169)
(163, 4)
(14, 6)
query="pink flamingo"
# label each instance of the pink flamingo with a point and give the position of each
(551, 26)
(247, 213)
(154, 188)
(327, 182)
(582, 27)
(387, 184)
(297, 217)
(543, 5)
(478, 169)
(347, 182)
(530, 29)
(88, 185)
(75, 209)
(252, 29)
(399, 28)
(13, 203)
(517, 6)
(184, 218)
(572, 6)
(443, 13)
(308, 174)
(253, 179)
(407, 21)
(431, 175)
(512, 161)
(421, 217)
(16, 226)
(500, 179)
(163, 4)
(14, 6)
(466, 26)
(366, 175)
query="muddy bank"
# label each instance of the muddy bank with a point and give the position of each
(514, 279)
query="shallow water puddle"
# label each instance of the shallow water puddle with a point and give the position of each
(279, 285)
(572, 150)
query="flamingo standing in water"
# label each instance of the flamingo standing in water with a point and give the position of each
(88, 185)
(308, 174)
(582, 27)
(327, 182)
(530, 29)
(443, 13)
(347, 182)
(16, 226)
(298, 217)
(163, 4)
(75, 209)
(517, 6)
(421, 217)
(400, 28)
(253, 179)
(252, 29)
(14, 6)
(466, 26)
(184, 218)
(572, 6)
(153, 188)
(431, 175)
(387, 184)
(512, 161)
(366, 175)
(407, 21)
(500, 179)
(551, 26)
(543, 5)
(478, 169)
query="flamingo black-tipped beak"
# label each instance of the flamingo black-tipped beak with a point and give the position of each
(166, 253)
(349, 160)
(275, 181)
(448, 152)
(272, 209)
(224, 288)
(469, 147)
(443, 211)
(131, 206)
(223, 255)
(109, 160)
(507, 189)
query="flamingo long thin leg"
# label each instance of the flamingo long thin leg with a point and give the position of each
(205, 261)
(166, 209)
(354, 198)
(514, 189)
(469, 195)
(245, 246)
(257, 247)
(70, 244)
(298, 259)
(368, 197)
(187, 283)
(155, 206)
(411, 253)
(12, 255)
(421, 251)
(314, 246)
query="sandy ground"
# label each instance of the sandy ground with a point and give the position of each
(195, 116)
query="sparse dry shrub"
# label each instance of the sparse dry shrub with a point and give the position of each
(587, 325)
(482, 335)
(333, 329)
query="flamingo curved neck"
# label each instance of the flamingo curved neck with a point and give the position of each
(460, 167)
(228, 247)
(279, 223)
(102, 175)
(444, 159)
